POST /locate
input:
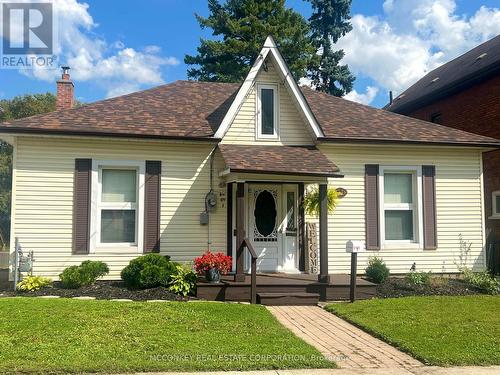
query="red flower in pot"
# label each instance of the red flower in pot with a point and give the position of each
(212, 265)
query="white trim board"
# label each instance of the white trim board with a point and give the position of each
(270, 47)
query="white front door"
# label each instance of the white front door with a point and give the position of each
(272, 226)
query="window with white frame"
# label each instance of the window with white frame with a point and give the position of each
(267, 111)
(495, 205)
(400, 198)
(117, 204)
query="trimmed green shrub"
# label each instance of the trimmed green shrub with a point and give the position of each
(481, 280)
(32, 283)
(71, 277)
(418, 278)
(376, 270)
(148, 271)
(86, 273)
(152, 276)
(94, 270)
(182, 281)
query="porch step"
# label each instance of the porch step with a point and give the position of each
(290, 298)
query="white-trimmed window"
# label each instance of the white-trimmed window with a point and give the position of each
(117, 205)
(495, 205)
(267, 111)
(400, 206)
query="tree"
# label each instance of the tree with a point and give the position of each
(241, 27)
(329, 21)
(18, 107)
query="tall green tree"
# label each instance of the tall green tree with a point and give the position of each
(18, 107)
(241, 26)
(329, 21)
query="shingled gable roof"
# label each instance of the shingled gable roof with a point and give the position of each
(197, 110)
(346, 121)
(270, 50)
(182, 109)
(286, 160)
(473, 66)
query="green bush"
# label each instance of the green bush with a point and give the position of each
(418, 278)
(376, 270)
(71, 277)
(94, 270)
(148, 271)
(481, 280)
(152, 276)
(86, 273)
(182, 281)
(32, 283)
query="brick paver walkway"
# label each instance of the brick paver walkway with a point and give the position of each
(343, 343)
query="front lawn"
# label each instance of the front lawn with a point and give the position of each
(440, 330)
(64, 335)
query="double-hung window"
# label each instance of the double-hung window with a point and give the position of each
(267, 111)
(400, 205)
(117, 210)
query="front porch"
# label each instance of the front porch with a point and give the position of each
(266, 228)
(284, 289)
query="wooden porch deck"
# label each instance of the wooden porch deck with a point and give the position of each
(280, 283)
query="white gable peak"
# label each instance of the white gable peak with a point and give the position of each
(269, 48)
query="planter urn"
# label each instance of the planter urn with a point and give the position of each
(212, 275)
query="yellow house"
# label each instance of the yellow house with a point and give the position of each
(190, 166)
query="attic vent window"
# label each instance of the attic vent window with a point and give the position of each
(437, 118)
(435, 80)
(482, 56)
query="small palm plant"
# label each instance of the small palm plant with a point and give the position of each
(311, 201)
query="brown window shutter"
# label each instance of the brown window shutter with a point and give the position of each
(152, 207)
(372, 207)
(429, 206)
(81, 206)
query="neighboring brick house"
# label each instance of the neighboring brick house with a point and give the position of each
(465, 94)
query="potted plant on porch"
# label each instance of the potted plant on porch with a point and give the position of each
(213, 265)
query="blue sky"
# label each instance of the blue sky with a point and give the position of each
(115, 47)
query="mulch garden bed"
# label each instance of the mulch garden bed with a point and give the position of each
(398, 287)
(102, 290)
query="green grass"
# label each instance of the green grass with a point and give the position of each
(63, 335)
(440, 331)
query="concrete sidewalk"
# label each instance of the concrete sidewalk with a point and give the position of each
(492, 370)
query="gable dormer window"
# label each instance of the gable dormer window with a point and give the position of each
(267, 111)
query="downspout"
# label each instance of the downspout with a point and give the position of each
(485, 234)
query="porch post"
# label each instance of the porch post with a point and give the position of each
(240, 230)
(323, 234)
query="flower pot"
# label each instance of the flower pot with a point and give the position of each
(212, 275)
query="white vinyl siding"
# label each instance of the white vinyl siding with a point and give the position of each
(43, 208)
(458, 205)
(43, 201)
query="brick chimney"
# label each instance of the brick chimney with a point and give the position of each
(65, 90)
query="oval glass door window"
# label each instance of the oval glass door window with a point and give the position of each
(265, 213)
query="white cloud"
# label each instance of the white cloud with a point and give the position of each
(413, 37)
(363, 98)
(113, 66)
